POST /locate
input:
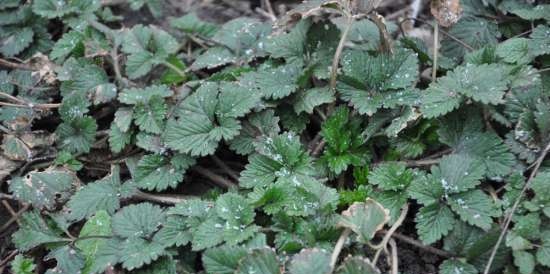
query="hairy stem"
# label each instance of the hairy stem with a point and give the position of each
(390, 232)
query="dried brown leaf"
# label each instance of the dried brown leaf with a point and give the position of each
(446, 12)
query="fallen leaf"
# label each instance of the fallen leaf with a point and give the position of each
(446, 12)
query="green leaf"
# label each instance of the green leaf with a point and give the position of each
(474, 207)
(15, 148)
(312, 260)
(77, 135)
(256, 129)
(16, 42)
(368, 79)
(149, 117)
(243, 36)
(123, 118)
(41, 188)
(474, 31)
(137, 220)
(514, 50)
(543, 252)
(156, 172)
(118, 139)
(164, 265)
(147, 47)
(22, 265)
(223, 260)
(540, 40)
(261, 261)
(192, 24)
(208, 116)
(433, 222)
(98, 225)
(208, 234)
(342, 134)
(214, 57)
(274, 83)
(391, 176)
(357, 265)
(281, 158)
(135, 96)
(34, 231)
(291, 45)
(234, 209)
(365, 219)
(307, 100)
(525, 261)
(136, 252)
(104, 194)
(530, 13)
(453, 266)
(69, 260)
(67, 44)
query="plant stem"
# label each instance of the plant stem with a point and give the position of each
(394, 258)
(427, 248)
(174, 68)
(338, 247)
(388, 235)
(508, 218)
(164, 199)
(435, 51)
(339, 49)
(12, 65)
(234, 175)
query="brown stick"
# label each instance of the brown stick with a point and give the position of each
(14, 218)
(163, 199)
(12, 65)
(219, 180)
(419, 245)
(234, 175)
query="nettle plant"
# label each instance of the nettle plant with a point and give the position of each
(294, 148)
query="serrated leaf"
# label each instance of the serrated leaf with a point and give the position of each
(433, 222)
(525, 261)
(192, 24)
(15, 148)
(16, 42)
(118, 139)
(68, 43)
(147, 46)
(365, 219)
(261, 261)
(274, 83)
(138, 220)
(357, 265)
(310, 261)
(149, 117)
(453, 266)
(69, 260)
(156, 172)
(164, 265)
(258, 127)
(208, 116)
(136, 252)
(208, 234)
(484, 33)
(473, 207)
(77, 135)
(291, 45)
(307, 100)
(134, 96)
(515, 50)
(234, 209)
(543, 251)
(104, 195)
(98, 225)
(22, 265)
(281, 158)
(540, 40)
(368, 78)
(223, 260)
(391, 176)
(34, 231)
(40, 188)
